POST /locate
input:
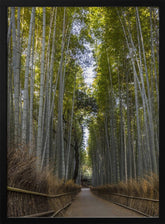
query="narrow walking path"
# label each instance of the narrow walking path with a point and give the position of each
(86, 204)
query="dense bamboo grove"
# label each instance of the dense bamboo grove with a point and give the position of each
(124, 135)
(44, 81)
(50, 104)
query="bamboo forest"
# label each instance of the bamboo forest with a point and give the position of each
(83, 104)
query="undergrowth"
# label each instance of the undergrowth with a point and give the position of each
(22, 173)
(147, 187)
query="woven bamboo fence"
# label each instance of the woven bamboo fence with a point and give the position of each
(145, 206)
(24, 203)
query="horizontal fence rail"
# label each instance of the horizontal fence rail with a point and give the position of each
(50, 213)
(37, 193)
(57, 212)
(133, 197)
(41, 214)
(132, 209)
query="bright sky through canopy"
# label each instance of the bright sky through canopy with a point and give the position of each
(88, 78)
(89, 75)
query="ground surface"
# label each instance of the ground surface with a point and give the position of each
(86, 204)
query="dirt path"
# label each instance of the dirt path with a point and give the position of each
(86, 204)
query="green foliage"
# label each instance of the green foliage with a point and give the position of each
(109, 106)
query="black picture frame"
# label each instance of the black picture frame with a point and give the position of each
(4, 4)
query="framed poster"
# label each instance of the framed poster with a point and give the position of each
(80, 93)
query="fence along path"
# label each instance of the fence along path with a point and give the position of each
(86, 204)
(49, 213)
